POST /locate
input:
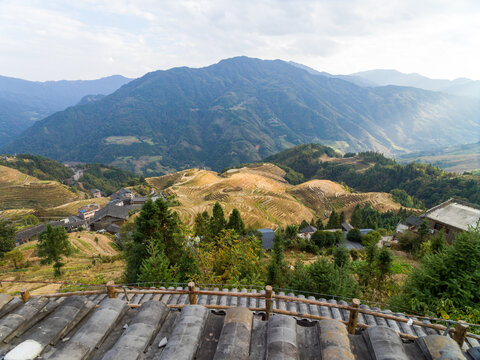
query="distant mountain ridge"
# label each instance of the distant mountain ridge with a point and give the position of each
(242, 110)
(383, 77)
(23, 102)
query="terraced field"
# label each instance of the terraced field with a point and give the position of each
(262, 195)
(18, 191)
(79, 267)
(71, 208)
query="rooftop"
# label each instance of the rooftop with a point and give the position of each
(456, 213)
(73, 327)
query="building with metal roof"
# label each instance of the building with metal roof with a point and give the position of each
(267, 238)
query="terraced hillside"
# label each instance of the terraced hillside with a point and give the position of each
(262, 195)
(18, 190)
(84, 265)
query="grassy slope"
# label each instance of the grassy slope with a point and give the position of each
(262, 196)
(18, 190)
(78, 267)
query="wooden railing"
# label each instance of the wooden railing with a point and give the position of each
(459, 332)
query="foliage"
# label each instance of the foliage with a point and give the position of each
(373, 237)
(201, 225)
(451, 275)
(235, 222)
(217, 221)
(334, 220)
(38, 166)
(155, 225)
(326, 239)
(277, 268)
(156, 267)
(354, 235)
(325, 277)
(230, 260)
(53, 245)
(7, 237)
(341, 256)
(108, 178)
(17, 258)
(402, 197)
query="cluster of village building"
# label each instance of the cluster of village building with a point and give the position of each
(92, 217)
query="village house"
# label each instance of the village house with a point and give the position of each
(453, 216)
(110, 214)
(96, 193)
(87, 212)
(123, 194)
(307, 232)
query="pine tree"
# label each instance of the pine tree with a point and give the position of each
(7, 237)
(303, 224)
(156, 225)
(333, 220)
(277, 268)
(217, 221)
(201, 226)
(235, 222)
(156, 267)
(342, 217)
(53, 245)
(356, 219)
(319, 224)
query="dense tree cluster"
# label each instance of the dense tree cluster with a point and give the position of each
(38, 166)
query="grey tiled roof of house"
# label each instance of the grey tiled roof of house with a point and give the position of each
(74, 328)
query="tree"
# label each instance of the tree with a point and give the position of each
(333, 221)
(331, 280)
(356, 219)
(342, 217)
(423, 230)
(303, 224)
(53, 245)
(341, 256)
(291, 231)
(452, 274)
(156, 267)
(277, 268)
(7, 237)
(384, 262)
(373, 237)
(217, 221)
(156, 225)
(319, 224)
(17, 258)
(236, 223)
(201, 226)
(354, 235)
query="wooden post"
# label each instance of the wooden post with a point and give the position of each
(191, 293)
(112, 294)
(268, 301)
(25, 294)
(352, 321)
(460, 333)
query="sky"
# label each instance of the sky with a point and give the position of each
(87, 39)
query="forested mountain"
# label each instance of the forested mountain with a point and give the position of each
(23, 102)
(461, 86)
(242, 110)
(369, 171)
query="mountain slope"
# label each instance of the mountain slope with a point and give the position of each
(262, 195)
(461, 86)
(242, 110)
(23, 102)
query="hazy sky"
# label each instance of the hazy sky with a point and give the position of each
(86, 39)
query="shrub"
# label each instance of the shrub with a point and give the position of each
(354, 235)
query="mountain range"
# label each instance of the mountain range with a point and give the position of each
(241, 110)
(23, 102)
(460, 86)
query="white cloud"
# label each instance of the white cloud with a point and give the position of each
(53, 39)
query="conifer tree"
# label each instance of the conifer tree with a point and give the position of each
(217, 221)
(342, 217)
(277, 268)
(356, 219)
(235, 222)
(333, 221)
(7, 237)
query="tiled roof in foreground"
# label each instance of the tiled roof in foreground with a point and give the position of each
(97, 327)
